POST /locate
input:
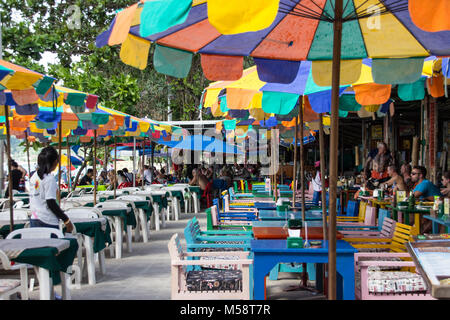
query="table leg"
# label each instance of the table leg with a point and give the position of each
(319, 277)
(144, 225)
(65, 285)
(129, 237)
(345, 267)
(261, 267)
(196, 206)
(137, 233)
(185, 207)
(119, 235)
(163, 219)
(400, 217)
(156, 214)
(45, 284)
(435, 227)
(90, 259)
(101, 261)
(176, 208)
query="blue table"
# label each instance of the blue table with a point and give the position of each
(311, 215)
(268, 253)
(282, 223)
(273, 206)
(445, 221)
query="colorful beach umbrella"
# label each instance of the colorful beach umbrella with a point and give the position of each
(336, 35)
(299, 30)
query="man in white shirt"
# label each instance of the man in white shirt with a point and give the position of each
(148, 177)
(317, 184)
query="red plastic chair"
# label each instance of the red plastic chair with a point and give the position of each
(124, 185)
(207, 194)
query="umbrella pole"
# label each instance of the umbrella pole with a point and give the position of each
(60, 163)
(115, 166)
(28, 153)
(70, 165)
(322, 176)
(134, 162)
(337, 30)
(95, 167)
(302, 160)
(294, 174)
(8, 153)
(143, 164)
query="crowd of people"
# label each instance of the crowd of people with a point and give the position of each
(381, 171)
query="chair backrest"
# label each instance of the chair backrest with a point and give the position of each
(388, 228)
(19, 214)
(352, 208)
(362, 211)
(226, 203)
(236, 189)
(370, 216)
(112, 204)
(4, 204)
(214, 216)
(382, 214)
(19, 204)
(190, 234)
(84, 212)
(402, 234)
(133, 197)
(175, 248)
(216, 202)
(209, 222)
(70, 204)
(35, 233)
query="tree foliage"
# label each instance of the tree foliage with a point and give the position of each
(32, 28)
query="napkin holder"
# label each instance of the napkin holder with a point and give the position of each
(294, 223)
(295, 242)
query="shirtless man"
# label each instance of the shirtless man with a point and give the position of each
(198, 179)
(396, 180)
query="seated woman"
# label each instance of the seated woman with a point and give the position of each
(446, 183)
(396, 180)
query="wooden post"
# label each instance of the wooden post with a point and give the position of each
(60, 163)
(143, 164)
(134, 162)
(115, 166)
(334, 142)
(95, 167)
(8, 153)
(28, 153)
(302, 161)
(294, 175)
(415, 151)
(70, 164)
(322, 177)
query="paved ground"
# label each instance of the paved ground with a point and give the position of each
(144, 274)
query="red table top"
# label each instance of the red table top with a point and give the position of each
(314, 233)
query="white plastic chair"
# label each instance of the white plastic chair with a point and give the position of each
(73, 272)
(88, 243)
(141, 218)
(158, 213)
(8, 287)
(116, 222)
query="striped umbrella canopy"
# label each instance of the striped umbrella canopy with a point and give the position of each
(335, 35)
(287, 32)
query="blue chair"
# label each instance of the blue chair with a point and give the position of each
(352, 208)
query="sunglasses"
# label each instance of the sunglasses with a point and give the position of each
(414, 173)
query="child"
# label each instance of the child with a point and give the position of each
(45, 211)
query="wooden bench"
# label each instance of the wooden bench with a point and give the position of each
(208, 284)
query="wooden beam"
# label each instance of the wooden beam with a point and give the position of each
(334, 143)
